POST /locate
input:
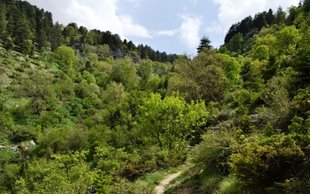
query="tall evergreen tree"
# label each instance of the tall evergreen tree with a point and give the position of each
(10, 25)
(280, 16)
(56, 36)
(259, 21)
(2, 20)
(306, 6)
(204, 43)
(245, 25)
(270, 17)
(23, 35)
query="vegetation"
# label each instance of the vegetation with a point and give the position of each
(258, 140)
(26, 28)
(85, 112)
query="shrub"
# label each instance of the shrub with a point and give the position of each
(262, 161)
(230, 185)
(212, 154)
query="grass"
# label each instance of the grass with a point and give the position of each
(205, 182)
(194, 182)
(230, 185)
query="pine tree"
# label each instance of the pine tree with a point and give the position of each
(270, 17)
(204, 43)
(280, 16)
(56, 36)
(10, 25)
(23, 35)
(306, 6)
(2, 20)
(259, 21)
(41, 35)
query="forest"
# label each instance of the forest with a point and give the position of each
(83, 111)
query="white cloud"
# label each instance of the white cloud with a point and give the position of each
(189, 30)
(109, 15)
(99, 14)
(106, 15)
(233, 11)
(166, 32)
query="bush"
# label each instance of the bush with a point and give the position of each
(212, 154)
(66, 58)
(230, 186)
(263, 161)
(62, 140)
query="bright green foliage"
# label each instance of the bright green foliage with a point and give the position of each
(236, 43)
(124, 72)
(153, 83)
(266, 160)
(202, 78)
(64, 174)
(99, 114)
(232, 70)
(66, 57)
(266, 38)
(145, 70)
(230, 185)
(170, 122)
(258, 141)
(115, 93)
(111, 160)
(287, 39)
(213, 153)
(261, 52)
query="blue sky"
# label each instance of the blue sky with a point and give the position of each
(174, 26)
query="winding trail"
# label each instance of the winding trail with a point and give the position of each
(160, 189)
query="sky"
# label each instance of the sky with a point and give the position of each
(173, 26)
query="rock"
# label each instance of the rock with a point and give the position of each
(255, 118)
(32, 143)
(21, 59)
(14, 148)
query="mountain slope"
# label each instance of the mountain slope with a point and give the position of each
(79, 116)
(258, 141)
(26, 28)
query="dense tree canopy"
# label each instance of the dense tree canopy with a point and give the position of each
(82, 111)
(32, 29)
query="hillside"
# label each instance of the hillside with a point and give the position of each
(26, 28)
(85, 112)
(259, 139)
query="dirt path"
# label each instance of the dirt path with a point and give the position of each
(159, 189)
